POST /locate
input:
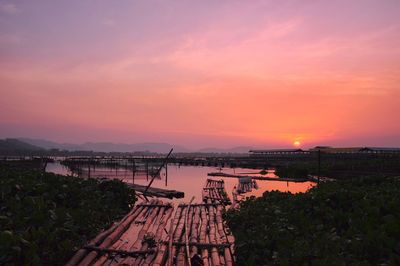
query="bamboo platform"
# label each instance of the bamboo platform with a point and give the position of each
(157, 192)
(134, 240)
(197, 235)
(281, 179)
(214, 190)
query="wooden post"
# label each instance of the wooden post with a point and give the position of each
(166, 174)
(319, 164)
(158, 172)
(133, 171)
(147, 170)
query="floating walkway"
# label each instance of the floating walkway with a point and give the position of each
(200, 236)
(214, 190)
(157, 192)
(282, 179)
(134, 240)
(196, 235)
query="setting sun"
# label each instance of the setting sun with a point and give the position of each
(296, 143)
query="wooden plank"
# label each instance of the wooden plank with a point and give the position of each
(157, 192)
(282, 179)
(83, 252)
(121, 251)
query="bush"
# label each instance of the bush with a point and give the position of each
(293, 171)
(46, 218)
(338, 223)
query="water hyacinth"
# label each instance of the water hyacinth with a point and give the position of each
(45, 218)
(336, 223)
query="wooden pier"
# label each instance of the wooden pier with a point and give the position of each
(214, 190)
(157, 192)
(196, 235)
(281, 179)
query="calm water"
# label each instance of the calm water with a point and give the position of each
(190, 179)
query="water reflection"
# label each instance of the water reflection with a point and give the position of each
(191, 179)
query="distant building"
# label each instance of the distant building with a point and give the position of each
(327, 149)
(380, 150)
(323, 149)
(272, 152)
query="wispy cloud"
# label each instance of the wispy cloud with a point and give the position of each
(10, 39)
(9, 8)
(109, 22)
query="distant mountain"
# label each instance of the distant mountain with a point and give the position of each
(17, 147)
(46, 144)
(106, 146)
(122, 147)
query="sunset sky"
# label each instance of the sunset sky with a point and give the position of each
(202, 73)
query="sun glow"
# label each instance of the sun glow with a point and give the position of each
(296, 143)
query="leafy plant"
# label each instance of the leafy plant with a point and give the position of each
(45, 218)
(350, 222)
(293, 171)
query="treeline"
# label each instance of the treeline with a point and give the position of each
(342, 168)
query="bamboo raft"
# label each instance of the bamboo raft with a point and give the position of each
(197, 235)
(134, 240)
(214, 190)
(157, 192)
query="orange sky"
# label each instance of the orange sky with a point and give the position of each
(218, 73)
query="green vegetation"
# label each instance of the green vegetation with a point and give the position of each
(46, 218)
(346, 167)
(293, 171)
(354, 222)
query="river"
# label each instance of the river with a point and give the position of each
(190, 180)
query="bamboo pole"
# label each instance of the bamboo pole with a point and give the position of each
(179, 230)
(158, 236)
(214, 251)
(187, 227)
(220, 226)
(138, 243)
(173, 227)
(180, 259)
(109, 239)
(159, 230)
(98, 239)
(194, 231)
(203, 239)
(194, 235)
(121, 251)
(161, 255)
(121, 244)
(200, 244)
(152, 230)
